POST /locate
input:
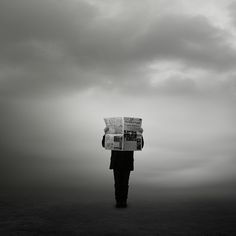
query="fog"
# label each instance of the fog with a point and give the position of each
(67, 65)
(57, 142)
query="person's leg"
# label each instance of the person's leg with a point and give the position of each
(117, 184)
(121, 179)
(125, 177)
(124, 187)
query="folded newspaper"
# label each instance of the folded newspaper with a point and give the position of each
(123, 134)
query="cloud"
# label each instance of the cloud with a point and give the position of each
(64, 65)
(231, 11)
(192, 40)
(59, 47)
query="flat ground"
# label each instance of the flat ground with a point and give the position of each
(67, 212)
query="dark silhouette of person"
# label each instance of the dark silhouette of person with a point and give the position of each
(122, 163)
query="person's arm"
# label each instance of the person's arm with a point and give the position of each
(103, 140)
(141, 131)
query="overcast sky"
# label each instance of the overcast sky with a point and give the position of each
(65, 65)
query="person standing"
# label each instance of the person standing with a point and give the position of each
(122, 163)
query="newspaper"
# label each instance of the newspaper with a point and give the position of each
(114, 142)
(132, 144)
(132, 124)
(115, 125)
(118, 125)
(123, 134)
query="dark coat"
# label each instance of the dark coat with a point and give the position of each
(121, 160)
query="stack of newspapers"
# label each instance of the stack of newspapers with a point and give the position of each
(123, 134)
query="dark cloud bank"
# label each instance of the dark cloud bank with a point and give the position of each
(58, 46)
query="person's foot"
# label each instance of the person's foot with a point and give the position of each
(121, 204)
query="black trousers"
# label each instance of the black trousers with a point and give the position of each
(121, 178)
